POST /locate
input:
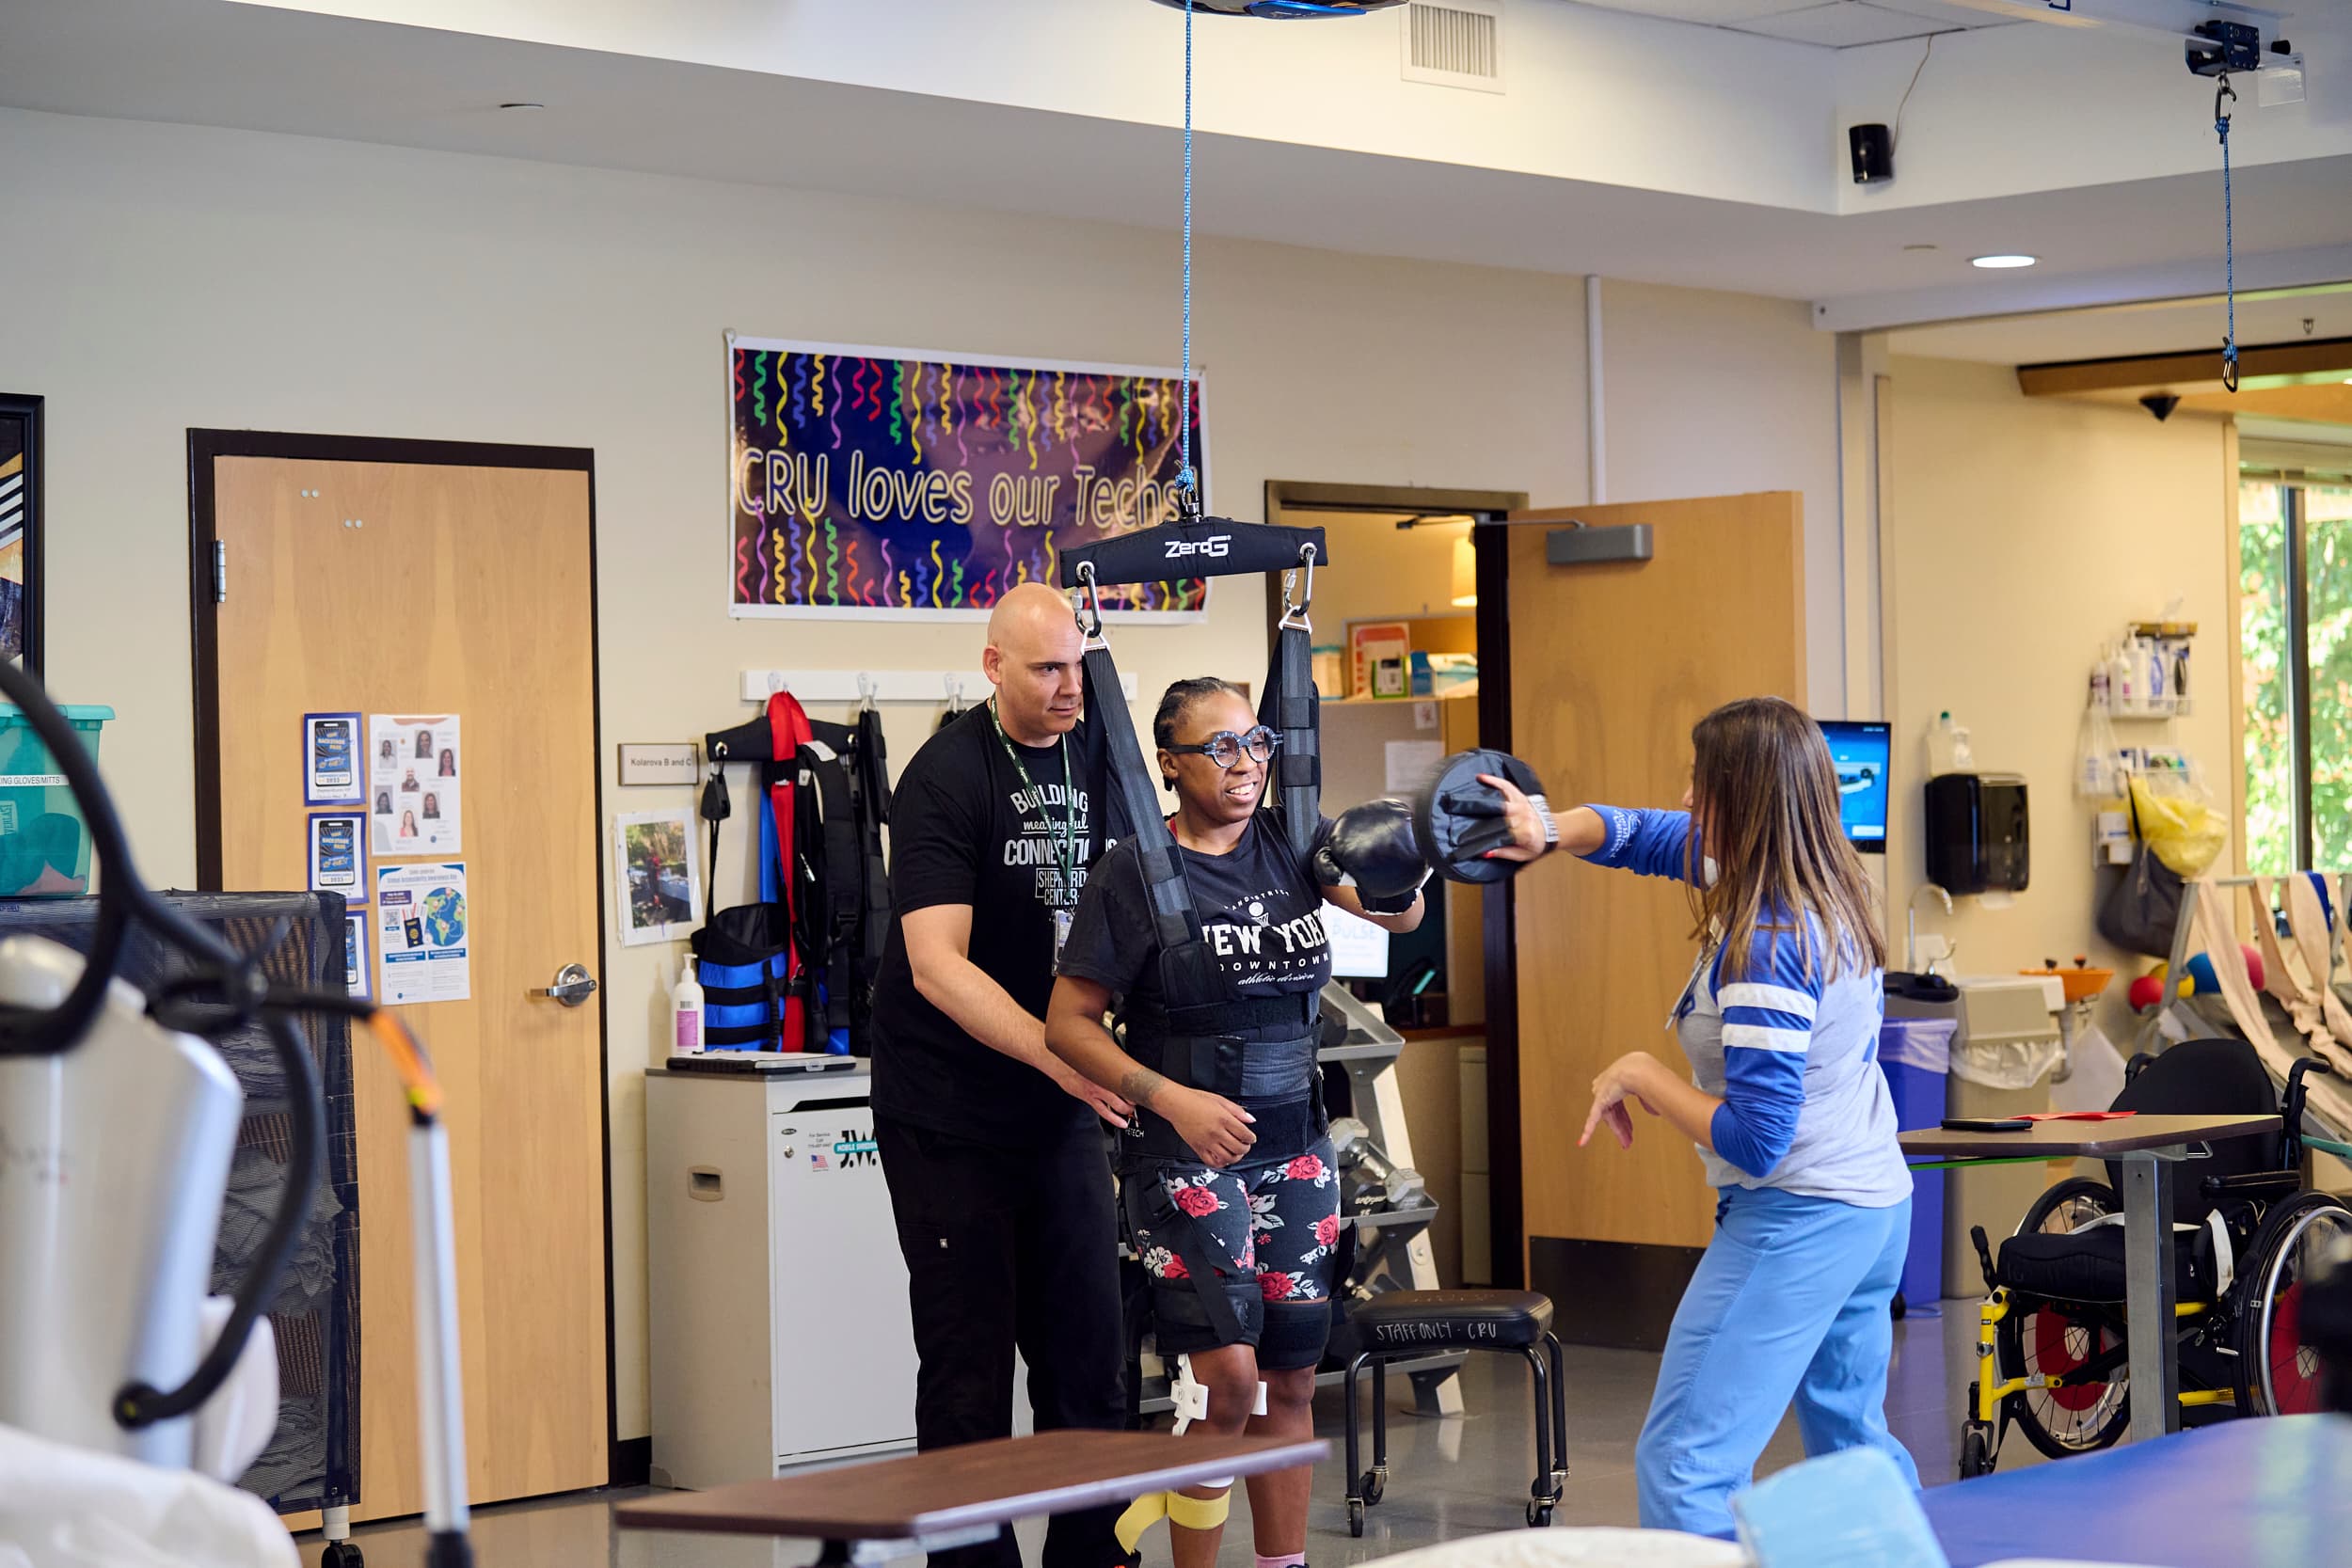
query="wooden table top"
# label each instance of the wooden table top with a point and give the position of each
(2094, 1140)
(953, 1489)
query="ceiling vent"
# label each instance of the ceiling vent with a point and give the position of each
(1454, 44)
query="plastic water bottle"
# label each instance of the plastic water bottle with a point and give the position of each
(1949, 750)
(686, 1012)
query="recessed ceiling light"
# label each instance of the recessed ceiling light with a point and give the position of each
(522, 105)
(2002, 260)
(1918, 247)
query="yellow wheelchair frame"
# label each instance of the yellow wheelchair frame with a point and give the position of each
(1975, 1442)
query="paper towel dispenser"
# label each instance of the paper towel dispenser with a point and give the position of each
(1977, 832)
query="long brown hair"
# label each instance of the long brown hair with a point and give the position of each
(1766, 797)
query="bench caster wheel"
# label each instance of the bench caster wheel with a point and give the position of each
(1976, 1451)
(1539, 1515)
(1374, 1485)
(1355, 1516)
(341, 1554)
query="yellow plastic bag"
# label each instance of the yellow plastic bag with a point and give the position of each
(2179, 823)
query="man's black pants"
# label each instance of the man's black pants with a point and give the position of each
(1011, 1247)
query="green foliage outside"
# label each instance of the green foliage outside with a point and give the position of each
(2270, 720)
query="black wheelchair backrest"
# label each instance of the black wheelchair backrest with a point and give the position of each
(2212, 1077)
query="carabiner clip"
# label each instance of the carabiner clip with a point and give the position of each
(1294, 611)
(1092, 607)
(2220, 120)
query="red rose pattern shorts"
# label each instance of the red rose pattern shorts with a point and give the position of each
(1270, 1228)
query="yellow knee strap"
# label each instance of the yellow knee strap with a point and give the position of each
(1174, 1507)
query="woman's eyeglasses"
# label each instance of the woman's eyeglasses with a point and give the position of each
(1225, 748)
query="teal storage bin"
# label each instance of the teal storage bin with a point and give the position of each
(44, 843)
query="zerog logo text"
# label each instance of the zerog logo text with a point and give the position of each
(1178, 548)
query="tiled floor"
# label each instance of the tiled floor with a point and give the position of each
(1447, 1477)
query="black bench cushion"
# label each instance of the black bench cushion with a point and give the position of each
(1397, 1322)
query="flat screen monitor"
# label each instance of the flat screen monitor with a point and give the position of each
(1861, 751)
(1360, 949)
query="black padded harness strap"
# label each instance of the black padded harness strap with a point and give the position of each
(1186, 968)
(1296, 1011)
(1290, 706)
(1182, 1236)
(831, 895)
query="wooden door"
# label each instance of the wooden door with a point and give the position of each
(1610, 668)
(424, 588)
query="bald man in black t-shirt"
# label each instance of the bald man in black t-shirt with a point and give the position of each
(994, 1147)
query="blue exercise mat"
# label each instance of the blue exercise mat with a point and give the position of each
(2249, 1494)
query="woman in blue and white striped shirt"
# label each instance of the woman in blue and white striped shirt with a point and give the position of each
(1785, 1101)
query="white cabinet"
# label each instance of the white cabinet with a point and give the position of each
(778, 1302)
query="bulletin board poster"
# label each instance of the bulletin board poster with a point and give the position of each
(883, 484)
(425, 931)
(415, 776)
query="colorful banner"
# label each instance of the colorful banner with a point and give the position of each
(867, 482)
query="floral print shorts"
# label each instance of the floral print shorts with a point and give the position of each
(1270, 1230)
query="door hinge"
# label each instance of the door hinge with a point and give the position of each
(220, 571)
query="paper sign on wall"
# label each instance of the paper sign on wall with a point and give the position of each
(331, 774)
(415, 771)
(424, 927)
(653, 865)
(337, 857)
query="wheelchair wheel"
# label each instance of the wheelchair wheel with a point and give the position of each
(2279, 1373)
(1976, 1451)
(2047, 1339)
(2067, 1205)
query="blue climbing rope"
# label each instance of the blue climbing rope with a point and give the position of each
(1187, 480)
(2229, 237)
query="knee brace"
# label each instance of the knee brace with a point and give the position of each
(1295, 1336)
(1191, 1396)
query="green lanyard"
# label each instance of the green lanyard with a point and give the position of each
(1066, 848)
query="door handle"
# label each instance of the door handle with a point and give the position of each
(573, 986)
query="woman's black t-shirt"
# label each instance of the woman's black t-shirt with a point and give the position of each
(1261, 914)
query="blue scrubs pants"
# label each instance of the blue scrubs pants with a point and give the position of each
(1791, 1301)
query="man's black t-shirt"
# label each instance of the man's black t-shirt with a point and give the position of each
(964, 829)
(1261, 914)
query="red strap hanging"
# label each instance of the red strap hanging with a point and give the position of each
(787, 731)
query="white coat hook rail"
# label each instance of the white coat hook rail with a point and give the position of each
(855, 687)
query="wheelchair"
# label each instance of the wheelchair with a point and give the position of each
(2051, 1356)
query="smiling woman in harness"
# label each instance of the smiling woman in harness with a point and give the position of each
(1230, 1183)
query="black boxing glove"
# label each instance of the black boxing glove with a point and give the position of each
(1372, 849)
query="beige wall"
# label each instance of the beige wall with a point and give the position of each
(195, 277)
(1720, 394)
(2020, 535)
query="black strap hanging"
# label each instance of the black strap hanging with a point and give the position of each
(1292, 706)
(1187, 968)
(715, 808)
